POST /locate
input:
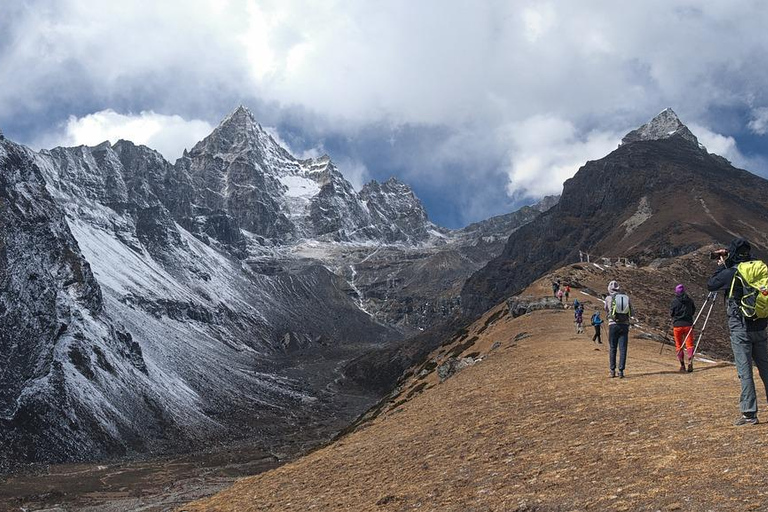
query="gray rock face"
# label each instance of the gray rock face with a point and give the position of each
(546, 203)
(335, 212)
(240, 173)
(665, 125)
(519, 306)
(396, 212)
(125, 333)
(56, 340)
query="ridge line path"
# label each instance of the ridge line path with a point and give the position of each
(537, 425)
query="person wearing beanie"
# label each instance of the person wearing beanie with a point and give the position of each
(619, 310)
(749, 340)
(681, 311)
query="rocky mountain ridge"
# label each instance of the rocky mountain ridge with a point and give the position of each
(150, 306)
(659, 194)
(240, 172)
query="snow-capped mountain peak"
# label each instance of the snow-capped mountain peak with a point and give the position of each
(665, 125)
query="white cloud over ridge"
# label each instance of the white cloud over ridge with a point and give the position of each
(546, 150)
(727, 147)
(169, 135)
(579, 74)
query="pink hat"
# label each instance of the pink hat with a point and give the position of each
(679, 289)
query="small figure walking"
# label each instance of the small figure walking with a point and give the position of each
(681, 311)
(567, 292)
(578, 315)
(555, 287)
(597, 323)
(559, 295)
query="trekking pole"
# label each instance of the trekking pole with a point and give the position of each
(704, 326)
(710, 297)
(665, 341)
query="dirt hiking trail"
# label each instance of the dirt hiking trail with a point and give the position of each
(536, 424)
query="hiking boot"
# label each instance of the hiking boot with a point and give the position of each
(746, 419)
(621, 374)
(613, 374)
(690, 367)
(682, 368)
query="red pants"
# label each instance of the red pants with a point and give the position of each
(680, 335)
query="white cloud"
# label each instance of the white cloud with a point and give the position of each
(538, 21)
(354, 171)
(727, 147)
(475, 69)
(169, 135)
(759, 122)
(546, 150)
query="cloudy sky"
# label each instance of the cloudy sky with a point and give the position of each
(481, 106)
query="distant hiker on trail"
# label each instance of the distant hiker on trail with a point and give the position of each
(737, 275)
(559, 295)
(578, 316)
(681, 311)
(619, 310)
(555, 287)
(597, 322)
(567, 292)
(576, 303)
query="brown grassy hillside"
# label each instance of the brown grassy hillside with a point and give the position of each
(534, 424)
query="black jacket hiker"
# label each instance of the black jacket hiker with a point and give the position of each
(682, 310)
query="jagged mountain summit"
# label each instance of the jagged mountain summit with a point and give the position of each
(148, 306)
(241, 178)
(659, 194)
(665, 125)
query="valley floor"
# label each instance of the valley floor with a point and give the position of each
(537, 425)
(158, 484)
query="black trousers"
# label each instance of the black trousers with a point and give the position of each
(597, 334)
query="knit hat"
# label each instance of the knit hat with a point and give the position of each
(679, 289)
(613, 287)
(738, 251)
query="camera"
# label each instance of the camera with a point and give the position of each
(714, 255)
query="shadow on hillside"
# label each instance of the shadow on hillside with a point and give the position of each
(698, 369)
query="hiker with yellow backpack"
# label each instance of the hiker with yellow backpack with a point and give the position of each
(745, 283)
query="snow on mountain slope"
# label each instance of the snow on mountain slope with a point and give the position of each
(150, 306)
(177, 341)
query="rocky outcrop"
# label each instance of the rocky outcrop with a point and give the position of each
(396, 211)
(519, 306)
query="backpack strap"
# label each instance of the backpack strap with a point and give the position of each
(733, 281)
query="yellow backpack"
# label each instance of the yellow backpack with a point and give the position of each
(753, 276)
